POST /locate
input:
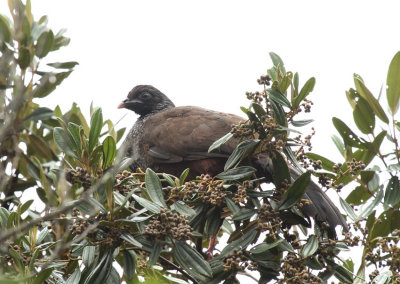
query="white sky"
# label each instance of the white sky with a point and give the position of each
(209, 53)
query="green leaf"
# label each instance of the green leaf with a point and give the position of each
(74, 278)
(364, 116)
(220, 142)
(191, 261)
(96, 124)
(382, 226)
(285, 83)
(24, 57)
(237, 173)
(44, 43)
(42, 235)
(310, 247)
(17, 259)
(240, 243)
(169, 180)
(63, 65)
(358, 196)
(367, 95)
(339, 144)
(259, 110)
(109, 151)
(278, 114)
(241, 151)
(281, 172)
(232, 205)
(102, 270)
(392, 192)
(130, 239)
(326, 163)
(183, 176)
(213, 222)
(5, 30)
(42, 276)
(343, 275)
(263, 247)
(63, 142)
(40, 148)
(300, 123)
(393, 84)
(276, 96)
(183, 209)
(152, 207)
(277, 61)
(4, 214)
(25, 206)
(88, 255)
(41, 113)
(154, 188)
(74, 132)
(349, 137)
(296, 191)
(130, 261)
(383, 278)
(304, 92)
(350, 212)
(367, 210)
(243, 214)
(48, 84)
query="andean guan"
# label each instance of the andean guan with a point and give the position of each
(170, 139)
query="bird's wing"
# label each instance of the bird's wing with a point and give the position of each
(186, 133)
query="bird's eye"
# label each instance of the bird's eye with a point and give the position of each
(144, 96)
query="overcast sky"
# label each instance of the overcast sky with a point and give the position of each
(209, 53)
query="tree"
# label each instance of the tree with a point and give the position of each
(71, 212)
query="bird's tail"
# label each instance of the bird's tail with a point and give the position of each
(321, 208)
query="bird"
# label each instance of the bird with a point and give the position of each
(169, 139)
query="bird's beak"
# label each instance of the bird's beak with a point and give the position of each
(127, 103)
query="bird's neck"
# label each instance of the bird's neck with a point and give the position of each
(159, 108)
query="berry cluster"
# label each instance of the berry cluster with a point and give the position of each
(168, 224)
(78, 176)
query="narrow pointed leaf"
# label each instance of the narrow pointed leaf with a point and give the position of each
(44, 43)
(310, 247)
(392, 192)
(372, 101)
(281, 170)
(109, 151)
(349, 137)
(304, 92)
(241, 151)
(96, 123)
(129, 264)
(154, 188)
(220, 142)
(240, 243)
(263, 247)
(278, 97)
(237, 173)
(277, 61)
(191, 261)
(393, 84)
(152, 207)
(350, 212)
(102, 270)
(364, 116)
(296, 191)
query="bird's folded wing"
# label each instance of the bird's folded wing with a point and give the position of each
(186, 133)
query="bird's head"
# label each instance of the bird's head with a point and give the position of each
(145, 99)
